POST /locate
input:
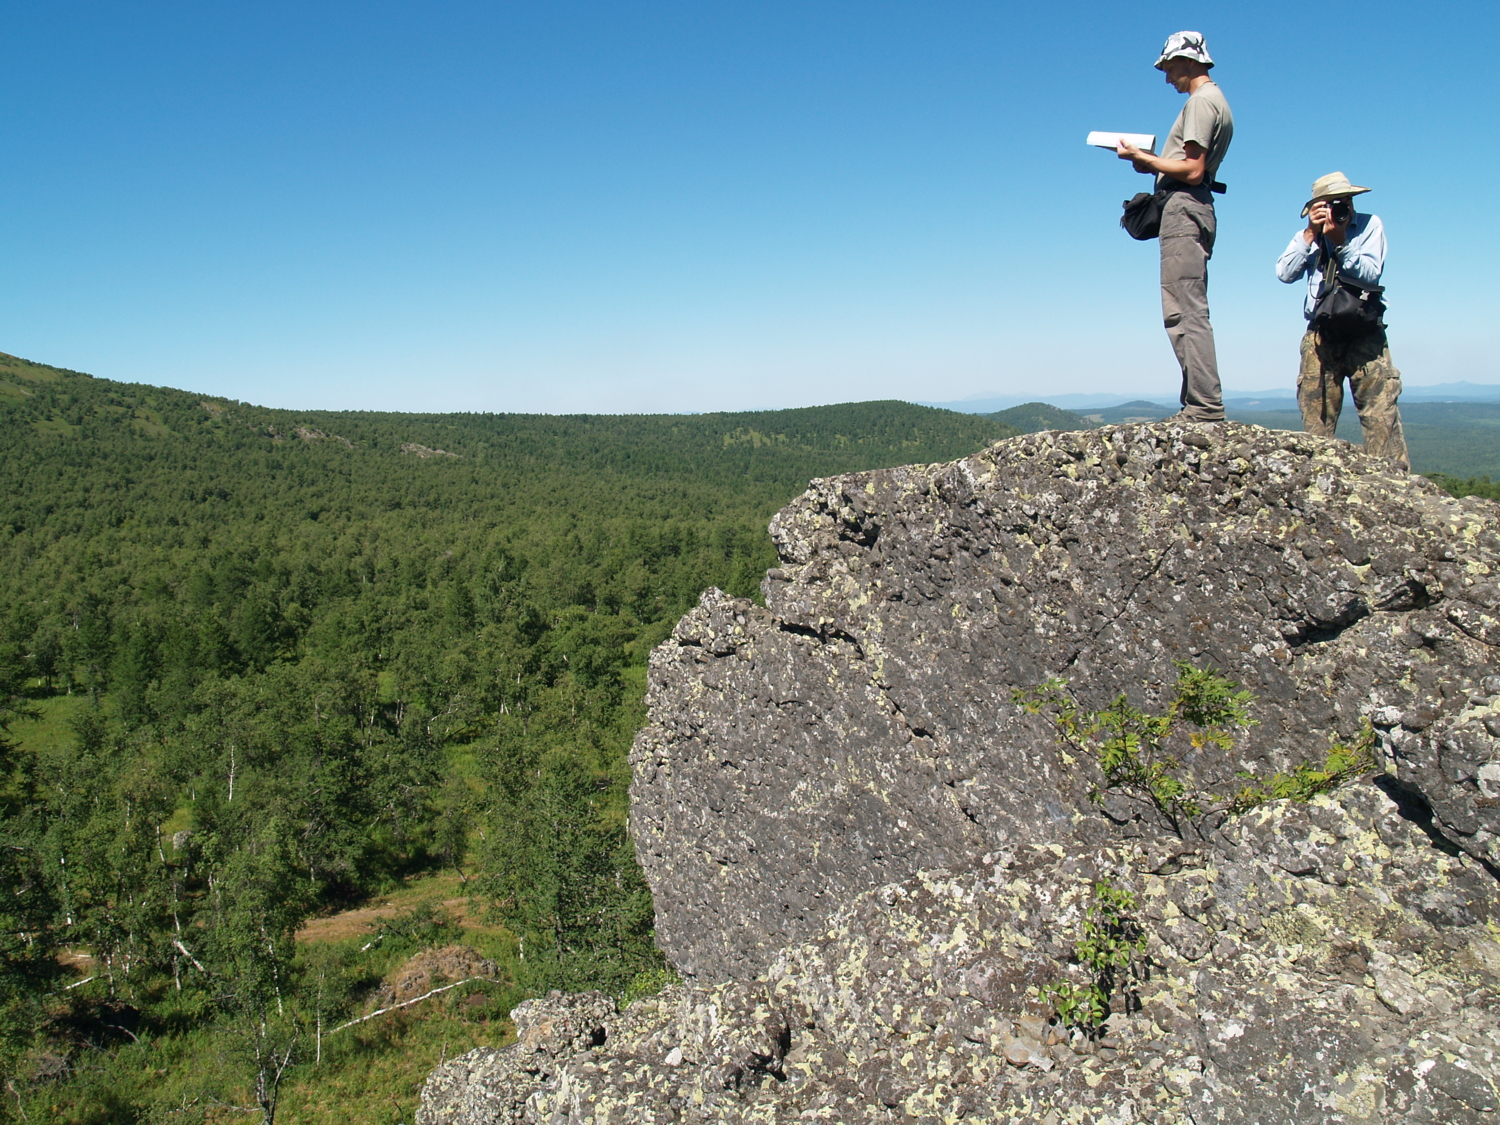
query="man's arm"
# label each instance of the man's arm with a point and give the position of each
(1363, 257)
(1297, 258)
(1190, 171)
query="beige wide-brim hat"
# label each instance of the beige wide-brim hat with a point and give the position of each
(1335, 185)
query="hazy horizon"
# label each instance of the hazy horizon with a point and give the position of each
(584, 207)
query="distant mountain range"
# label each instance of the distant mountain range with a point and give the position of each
(1268, 400)
(1459, 438)
(1033, 416)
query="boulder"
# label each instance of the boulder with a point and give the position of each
(493, 1086)
(861, 727)
(871, 866)
(1361, 988)
(433, 968)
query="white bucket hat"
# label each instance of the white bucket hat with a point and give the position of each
(1335, 185)
(1184, 45)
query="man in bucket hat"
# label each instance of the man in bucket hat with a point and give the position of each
(1187, 168)
(1356, 242)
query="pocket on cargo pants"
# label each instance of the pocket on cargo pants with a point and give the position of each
(1187, 242)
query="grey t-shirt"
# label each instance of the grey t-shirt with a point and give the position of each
(1205, 118)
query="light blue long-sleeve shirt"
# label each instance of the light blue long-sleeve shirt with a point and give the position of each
(1362, 257)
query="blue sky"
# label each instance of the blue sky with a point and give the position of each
(660, 206)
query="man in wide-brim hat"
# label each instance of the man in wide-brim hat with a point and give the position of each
(1355, 243)
(1327, 188)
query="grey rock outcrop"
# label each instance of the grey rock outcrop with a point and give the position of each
(493, 1086)
(868, 861)
(860, 727)
(1318, 963)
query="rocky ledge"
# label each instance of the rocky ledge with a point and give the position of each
(868, 861)
(1322, 963)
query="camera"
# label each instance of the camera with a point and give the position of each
(1340, 211)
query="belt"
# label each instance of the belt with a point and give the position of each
(1168, 184)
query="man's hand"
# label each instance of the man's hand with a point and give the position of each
(1142, 161)
(1320, 221)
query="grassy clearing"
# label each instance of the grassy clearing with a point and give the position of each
(374, 1073)
(52, 729)
(443, 889)
(14, 367)
(371, 1072)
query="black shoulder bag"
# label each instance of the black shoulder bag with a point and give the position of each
(1347, 307)
(1142, 217)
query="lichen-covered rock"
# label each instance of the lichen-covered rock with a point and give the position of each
(869, 862)
(492, 1086)
(860, 727)
(1358, 986)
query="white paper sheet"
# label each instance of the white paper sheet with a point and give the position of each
(1143, 141)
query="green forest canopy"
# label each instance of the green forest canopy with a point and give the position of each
(323, 650)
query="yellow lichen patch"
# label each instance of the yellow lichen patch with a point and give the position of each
(1295, 931)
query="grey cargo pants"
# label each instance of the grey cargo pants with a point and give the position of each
(1187, 242)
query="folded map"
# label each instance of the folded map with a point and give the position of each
(1144, 141)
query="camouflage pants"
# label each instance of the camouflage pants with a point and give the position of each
(1373, 380)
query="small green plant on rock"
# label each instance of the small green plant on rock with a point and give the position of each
(1108, 953)
(1344, 763)
(648, 982)
(1130, 745)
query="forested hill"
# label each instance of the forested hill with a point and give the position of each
(306, 654)
(131, 495)
(770, 446)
